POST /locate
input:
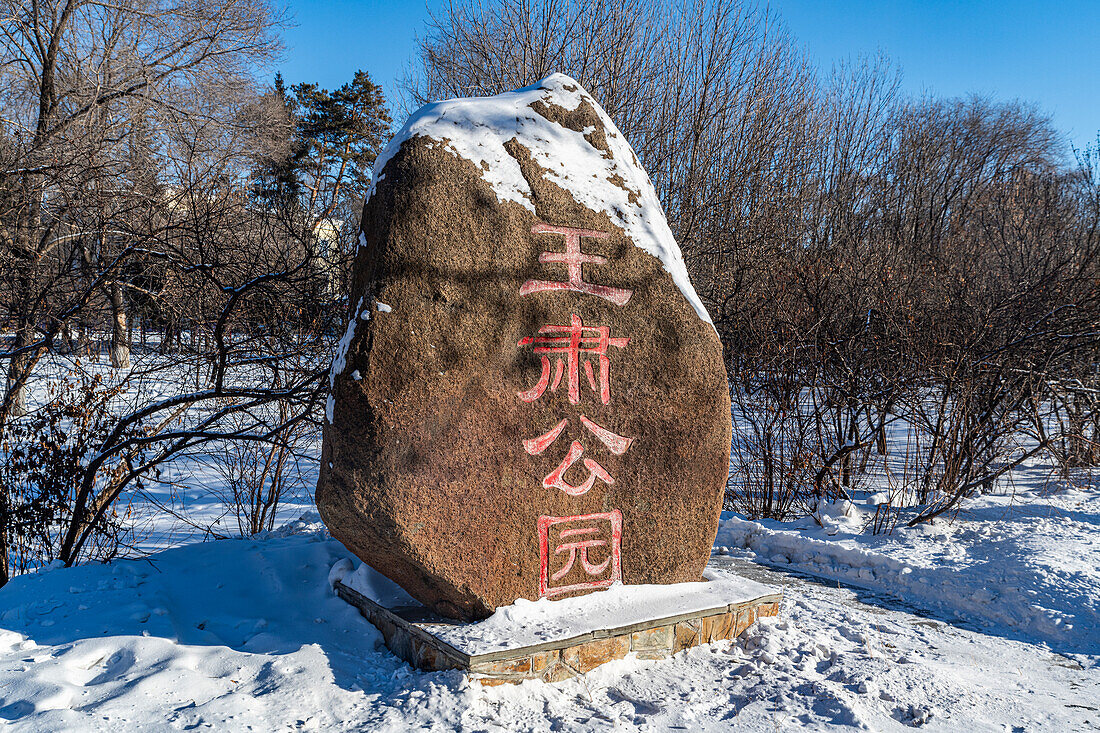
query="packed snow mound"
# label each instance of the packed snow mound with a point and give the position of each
(1023, 565)
(224, 635)
(477, 128)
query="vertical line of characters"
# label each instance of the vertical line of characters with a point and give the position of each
(576, 552)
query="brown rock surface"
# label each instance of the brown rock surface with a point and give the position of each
(432, 469)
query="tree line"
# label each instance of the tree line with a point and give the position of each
(872, 261)
(165, 212)
(176, 236)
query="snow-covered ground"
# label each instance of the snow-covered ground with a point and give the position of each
(245, 634)
(989, 621)
(1023, 564)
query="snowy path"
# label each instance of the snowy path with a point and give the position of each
(245, 635)
(896, 649)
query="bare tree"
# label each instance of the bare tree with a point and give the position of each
(80, 77)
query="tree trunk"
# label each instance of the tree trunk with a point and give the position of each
(17, 390)
(850, 439)
(65, 344)
(120, 341)
(15, 395)
(4, 577)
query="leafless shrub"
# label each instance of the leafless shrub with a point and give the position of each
(257, 476)
(42, 460)
(772, 462)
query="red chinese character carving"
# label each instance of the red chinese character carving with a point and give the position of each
(573, 258)
(580, 538)
(617, 444)
(578, 339)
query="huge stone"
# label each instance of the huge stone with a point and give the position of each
(529, 400)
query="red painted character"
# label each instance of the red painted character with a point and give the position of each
(576, 339)
(617, 444)
(573, 258)
(584, 538)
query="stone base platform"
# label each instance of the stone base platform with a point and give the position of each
(556, 640)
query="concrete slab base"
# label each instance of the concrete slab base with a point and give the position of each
(428, 642)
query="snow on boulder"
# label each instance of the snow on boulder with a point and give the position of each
(541, 408)
(582, 152)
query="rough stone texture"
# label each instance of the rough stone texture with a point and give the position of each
(659, 638)
(588, 656)
(685, 636)
(719, 627)
(505, 667)
(541, 661)
(424, 474)
(746, 618)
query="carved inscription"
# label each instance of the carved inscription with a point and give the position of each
(579, 553)
(576, 552)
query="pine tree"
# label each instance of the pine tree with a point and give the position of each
(339, 134)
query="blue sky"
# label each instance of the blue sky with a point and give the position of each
(1044, 52)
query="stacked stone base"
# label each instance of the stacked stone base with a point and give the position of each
(408, 634)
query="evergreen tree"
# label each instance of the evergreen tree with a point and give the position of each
(276, 175)
(338, 135)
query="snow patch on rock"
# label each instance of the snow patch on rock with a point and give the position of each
(339, 361)
(476, 129)
(372, 584)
